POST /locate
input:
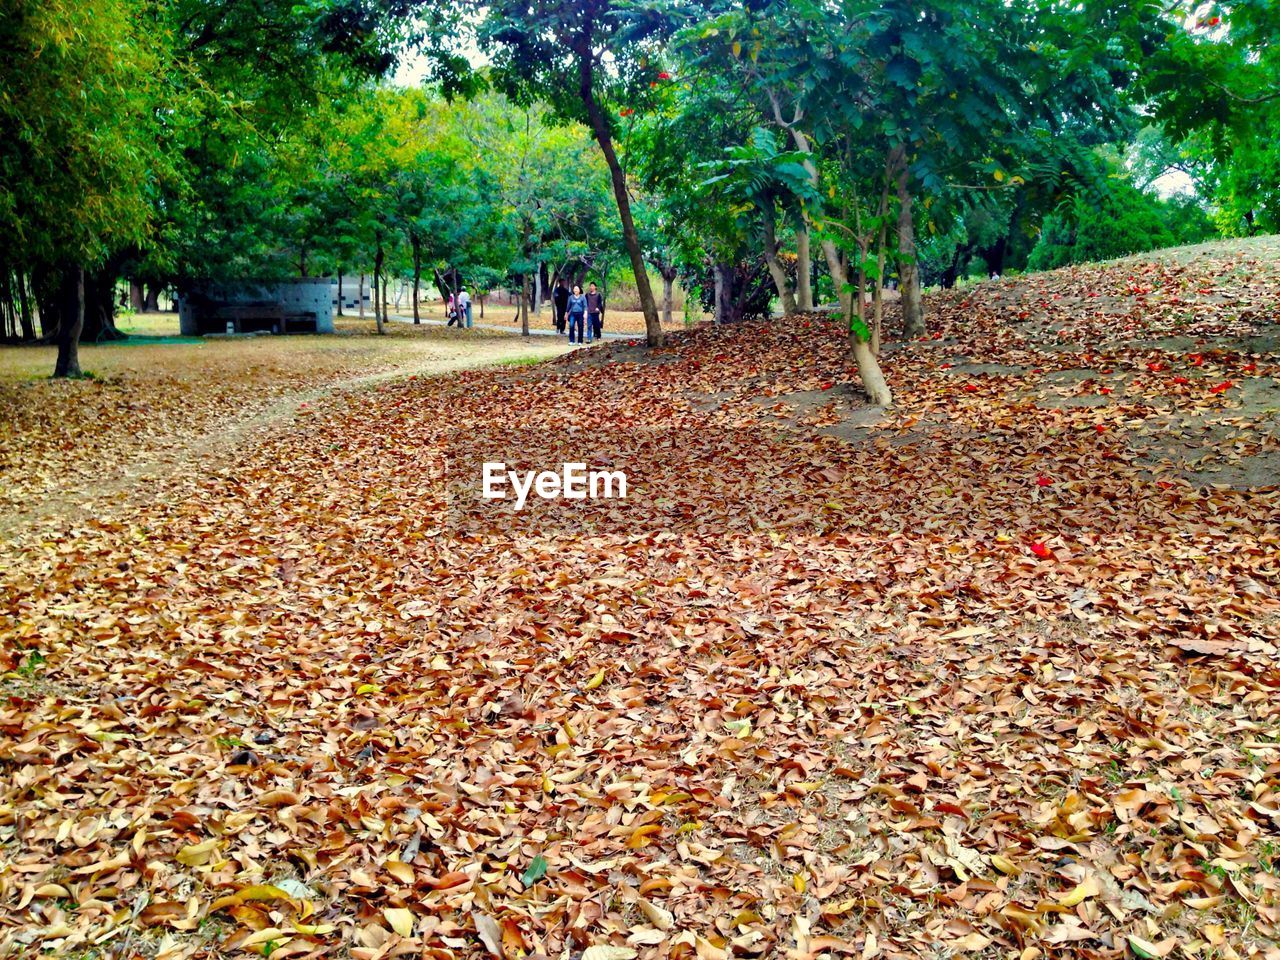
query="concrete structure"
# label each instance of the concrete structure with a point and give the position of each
(250, 306)
(351, 293)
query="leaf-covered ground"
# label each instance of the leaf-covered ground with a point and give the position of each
(994, 673)
(157, 402)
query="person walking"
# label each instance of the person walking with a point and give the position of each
(450, 310)
(464, 307)
(576, 308)
(595, 314)
(559, 303)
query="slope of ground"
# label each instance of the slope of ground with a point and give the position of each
(992, 673)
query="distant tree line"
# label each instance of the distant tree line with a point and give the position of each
(762, 152)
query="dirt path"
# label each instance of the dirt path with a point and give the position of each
(192, 446)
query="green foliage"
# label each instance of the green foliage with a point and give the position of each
(1212, 82)
(547, 179)
(755, 176)
(1122, 221)
(180, 140)
(79, 160)
(32, 664)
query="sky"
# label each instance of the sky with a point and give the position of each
(410, 72)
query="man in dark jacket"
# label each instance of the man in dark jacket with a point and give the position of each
(595, 312)
(559, 300)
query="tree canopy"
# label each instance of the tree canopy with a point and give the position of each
(775, 154)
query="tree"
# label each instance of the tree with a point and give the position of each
(1115, 221)
(1212, 80)
(580, 58)
(664, 246)
(548, 180)
(257, 95)
(78, 154)
(756, 178)
(676, 144)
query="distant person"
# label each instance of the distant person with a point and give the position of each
(577, 311)
(595, 314)
(464, 307)
(559, 302)
(451, 311)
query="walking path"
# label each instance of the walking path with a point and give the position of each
(246, 408)
(510, 328)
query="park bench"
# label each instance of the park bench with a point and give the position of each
(260, 316)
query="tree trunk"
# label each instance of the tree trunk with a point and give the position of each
(949, 275)
(804, 269)
(152, 302)
(776, 270)
(882, 236)
(378, 317)
(537, 289)
(729, 293)
(360, 295)
(868, 366)
(908, 270)
(100, 307)
(600, 127)
(804, 235)
(869, 370)
(417, 279)
(524, 304)
(8, 308)
(480, 297)
(668, 298)
(877, 295)
(718, 274)
(71, 322)
(24, 309)
(993, 257)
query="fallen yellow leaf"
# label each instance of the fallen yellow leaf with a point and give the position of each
(1005, 865)
(1084, 890)
(196, 854)
(400, 919)
(400, 870)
